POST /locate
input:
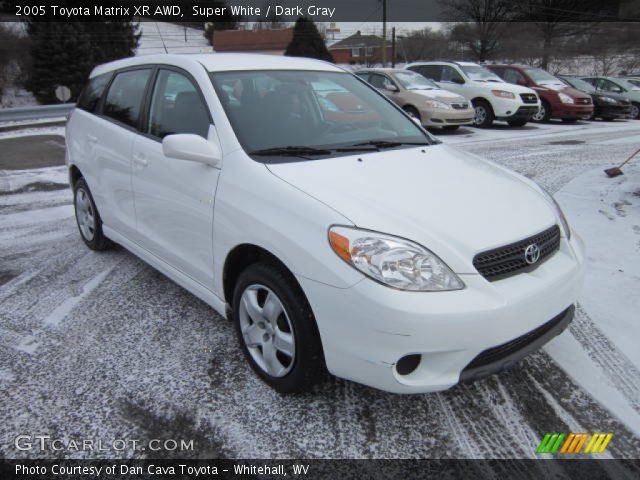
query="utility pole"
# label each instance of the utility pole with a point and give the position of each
(393, 47)
(384, 33)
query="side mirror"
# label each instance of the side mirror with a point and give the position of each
(391, 88)
(193, 148)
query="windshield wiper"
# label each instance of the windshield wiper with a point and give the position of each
(377, 145)
(291, 150)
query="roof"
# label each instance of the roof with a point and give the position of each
(451, 62)
(218, 62)
(384, 70)
(251, 40)
(357, 40)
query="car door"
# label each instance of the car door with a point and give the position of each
(112, 139)
(174, 198)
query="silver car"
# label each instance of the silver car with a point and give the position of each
(421, 98)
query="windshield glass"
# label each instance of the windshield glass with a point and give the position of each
(276, 109)
(627, 84)
(580, 84)
(541, 76)
(480, 73)
(414, 81)
(634, 81)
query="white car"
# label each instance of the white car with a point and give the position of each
(356, 244)
(492, 97)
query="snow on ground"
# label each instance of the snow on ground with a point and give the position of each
(162, 37)
(100, 345)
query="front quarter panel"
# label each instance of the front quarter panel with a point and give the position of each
(253, 206)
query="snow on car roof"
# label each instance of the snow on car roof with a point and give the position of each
(219, 62)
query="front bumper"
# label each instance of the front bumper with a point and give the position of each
(612, 111)
(522, 113)
(572, 111)
(367, 328)
(443, 118)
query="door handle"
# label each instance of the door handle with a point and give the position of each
(92, 138)
(140, 160)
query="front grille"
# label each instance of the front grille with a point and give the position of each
(510, 260)
(460, 106)
(500, 352)
(583, 101)
(529, 97)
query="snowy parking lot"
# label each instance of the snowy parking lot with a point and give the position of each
(102, 346)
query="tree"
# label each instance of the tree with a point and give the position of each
(481, 29)
(307, 41)
(64, 53)
(425, 44)
(559, 19)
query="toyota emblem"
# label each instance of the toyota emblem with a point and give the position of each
(532, 254)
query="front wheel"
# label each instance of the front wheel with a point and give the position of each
(276, 329)
(635, 111)
(412, 112)
(544, 113)
(88, 218)
(483, 117)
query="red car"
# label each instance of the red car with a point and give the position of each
(557, 98)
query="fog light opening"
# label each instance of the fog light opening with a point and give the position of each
(408, 364)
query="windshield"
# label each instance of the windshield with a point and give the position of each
(303, 113)
(481, 74)
(580, 84)
(627, 84)
(414, 81)
(634, 81)
(541, 76)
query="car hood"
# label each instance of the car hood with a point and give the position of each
(439, 94)
(449, 201)
(509, 87)
(561, 87)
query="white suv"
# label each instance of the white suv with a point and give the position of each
(492, 97)
(336, 235)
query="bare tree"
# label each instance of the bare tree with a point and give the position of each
(560, 19)
(426, 44)
(483, 20)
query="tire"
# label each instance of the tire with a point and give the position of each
(451, 128)
(483, 117)
(517, 123)
(296, 362)
(412, 112)
(544, 114)
(635, 111)
(569, 120)
(88, 218)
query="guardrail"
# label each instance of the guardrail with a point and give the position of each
(33, 113)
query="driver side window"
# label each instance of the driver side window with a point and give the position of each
(177, 107)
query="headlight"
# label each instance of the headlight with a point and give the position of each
(437, 104)
(563, 219)
(503, 94)
(393, 261)
(610, 100)
(564, 98)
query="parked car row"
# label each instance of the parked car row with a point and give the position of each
(448, 94)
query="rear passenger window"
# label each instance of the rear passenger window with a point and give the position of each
(124, 98)
(92, 93)
(176, 107)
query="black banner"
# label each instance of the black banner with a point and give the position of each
(321, 469)
(319, 10)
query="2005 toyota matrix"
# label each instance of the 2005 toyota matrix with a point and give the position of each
(336, 233)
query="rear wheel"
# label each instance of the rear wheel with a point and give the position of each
(276, 329)
(517, 123)
(544, 113)
(88, 218)
(635, 110)
(483, 117)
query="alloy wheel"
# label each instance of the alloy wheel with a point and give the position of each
(634, 111)
(539, 115)
(85, 215)
(480, 115)
(266, 330)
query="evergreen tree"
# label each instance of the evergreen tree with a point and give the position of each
(64, 53)
(307, 41)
